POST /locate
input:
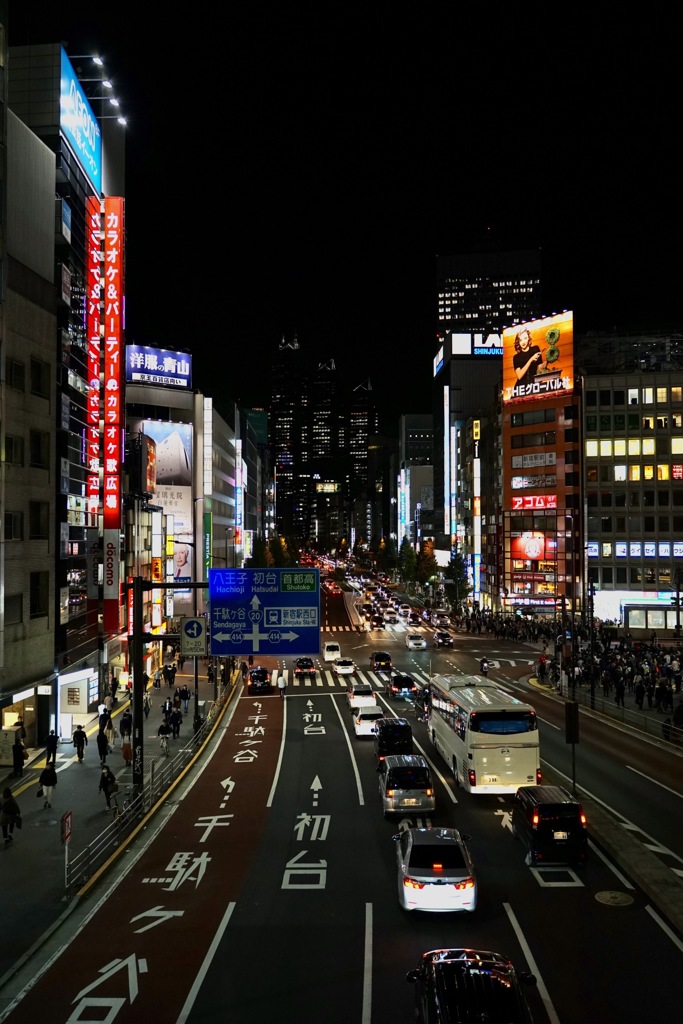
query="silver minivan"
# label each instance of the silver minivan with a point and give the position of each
(405, 784)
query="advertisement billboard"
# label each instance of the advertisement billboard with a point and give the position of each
(158, 366)
(538, 359)
(173, 492)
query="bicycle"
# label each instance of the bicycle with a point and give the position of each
(119, 812)
(163, 740)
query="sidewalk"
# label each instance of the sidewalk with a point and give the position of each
(33, 865)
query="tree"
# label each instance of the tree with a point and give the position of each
(261, 557)
(407, 561)
(427, 565)
(279, 552)
(457, 585)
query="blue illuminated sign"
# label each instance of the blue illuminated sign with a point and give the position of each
(158, 366)
(79, 124)
(264, 611)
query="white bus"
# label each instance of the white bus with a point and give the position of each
(488, 737)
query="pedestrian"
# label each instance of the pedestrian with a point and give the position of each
(80, 741)
(114, 686)
(250, 659)
(167, 675)
(167, 708)
(244, 669)
(104, 717)
(127, 751)
(209, 673)
(19, 755)
(185, 696)
(108, 784)
(102, 746)
(48, 780)
(175, 721)
(282, 685)
(619, 690)
(171, 676)
(126, 725)
(10, 815)
(639, 691)
(176, 700)
(146, 705)
(111, 733)
(21, 728)
(51, 747)
(157, 679)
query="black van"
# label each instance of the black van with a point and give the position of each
(551, 824)
(392, 736)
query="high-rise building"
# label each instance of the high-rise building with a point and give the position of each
(478, 294)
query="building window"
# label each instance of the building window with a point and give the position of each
(39, 443)
(591, 449)
(606, 449)
(634, 446)
(14, 609)
(662, 471)
(40, 378)
(619, 396)
(14, 526)
(620, 472)
(606, 524)
(14, 450)
(663, 524)
(620, 448)
(39, 588)
(619, 421)
(677, 445)
(607, 575)
(38, 519)
(649, 524)
(620, 524)
(15, 374)
(622, 577)
(634, 472)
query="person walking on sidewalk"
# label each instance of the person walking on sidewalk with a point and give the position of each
(175, 721)
(108, 784)
(51, 747)
(18, 751)
(146, 705)
(10, 815)
(80, 741)
(185, 697)
(126, 725)
(102, 746)
(48, 780)
(282, 685)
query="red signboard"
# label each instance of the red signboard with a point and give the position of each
(531, 501)
(92, 327)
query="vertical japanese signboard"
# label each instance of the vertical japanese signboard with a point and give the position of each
(92, 326)
(113, 406)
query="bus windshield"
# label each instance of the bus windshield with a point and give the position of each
(503, 723)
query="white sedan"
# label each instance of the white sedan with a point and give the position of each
(344, 666)
(365, 720)
(416, 642)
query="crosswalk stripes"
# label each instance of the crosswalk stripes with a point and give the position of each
(326, 679)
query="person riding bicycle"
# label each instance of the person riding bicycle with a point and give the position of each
(484, 666)
(164, 732)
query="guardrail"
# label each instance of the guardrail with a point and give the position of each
(160, 774)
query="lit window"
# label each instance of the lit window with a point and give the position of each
(633, 396)
(607, 549)
(648, 472)
(648, 446)
(634, 446)
(634, 472)
(676, 394)
(677, 445)
(662, 471)
(591, 449)
(620, 447)
(606, 448)
(620, 472)
(648, 396)
(662, 394)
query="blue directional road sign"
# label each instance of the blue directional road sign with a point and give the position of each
(264, 611)
(193, 637)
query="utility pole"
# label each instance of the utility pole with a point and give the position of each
(591, 612)
(677, 602)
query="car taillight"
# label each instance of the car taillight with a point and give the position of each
(538, 776)
(583, 819)
(411, 883)
(390, 793)
(534, 820)
(468, 883)
(429, 792)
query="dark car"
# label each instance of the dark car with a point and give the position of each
(380, 659)
(403, 686)
(258, 680)
(442, 639)
(377, 621)
(304, 667)
(551, 824)
(392, 736)
(414, 619)
(454, 985)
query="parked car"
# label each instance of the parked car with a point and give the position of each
(365, 719)
(435, 870)
(415, 642)
(304, 667)
(453, 985)
(259, 680)
(360, 695)
(403, 686)
(380, 660)
(442, 639)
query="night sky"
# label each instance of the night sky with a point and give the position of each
(297, 171)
